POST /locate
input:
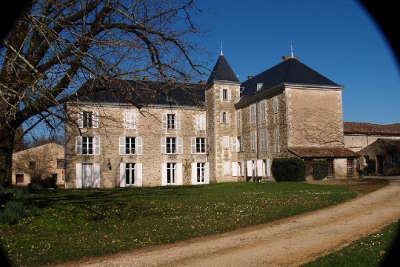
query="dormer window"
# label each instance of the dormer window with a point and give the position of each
(241, 91)
(259, 86)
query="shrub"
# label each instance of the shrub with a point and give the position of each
(320, 169)
(5, 196)
(38, 184)
(12, 212)
(288, 169)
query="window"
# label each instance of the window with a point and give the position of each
(19, 178)
(238, 114)
(241, 91)
(264, 139)
(201, 167)
(171, 145)
(240, 143)
(225, 141)
(130, 119)
(225, 94)
(200, 145)
(253, 114)
(331, 168)
(87, 145)
(32, 164)
(60, 163)
(171, 121)
(130, 173)
(263, 111)
(224, 117)
(253, 140)
(201, 122)
(130, 143)
(275, 104)
(276, 139)
(350, 167)
(54, 176)
(259, 86)
(87, 119)
(171, 173)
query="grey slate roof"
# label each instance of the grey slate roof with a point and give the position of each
(290, 70)
(222, 71)
(142, 93)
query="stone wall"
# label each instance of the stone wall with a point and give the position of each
(356, 142)
(149, 127)
(315, 117)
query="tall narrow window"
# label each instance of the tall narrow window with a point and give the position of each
(87, 145)
(238, 114)
(259, 86)
(130, 174)
(225, 94)
(350, 167)
(171, 173)
(224, 117)
(240, 141)
(171, 145)
(130, 143)
(87, 119)
(275, 104)
(200, 172)
(263, 111)
(253, 140)
(253, 114)
(171, 121)
(276, 139)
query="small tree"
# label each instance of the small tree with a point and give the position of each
(288, 169)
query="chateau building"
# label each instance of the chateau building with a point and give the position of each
(127, 133)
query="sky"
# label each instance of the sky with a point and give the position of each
(337, 38)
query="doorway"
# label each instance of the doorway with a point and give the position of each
(379, 164)
(87, 177)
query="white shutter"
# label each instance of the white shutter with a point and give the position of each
(178, 121)
(139, 145)
(78, 175)
(122, 178)
(268, 167)
(163, 146)
(221, 94)
(95, 119)
(197, 122)
(260, 167)
(194, 172)
(242, 168)
(229, 94)
(203, 122)
(138, 170)
(163, 173)
(80, 119)
(134, 118)
(228, 117)
(130, 119)
(234, 169)
(96, 145)
(249, 168)
(207, 173)
(164, 120)
(122, 145)
(233, 142)
(193, 145)
(227, 168)
(221, 120)
(78, 145)
(96, 170)
(179, 180)
(180, 145)
(237, 144)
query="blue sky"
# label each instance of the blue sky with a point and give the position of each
(337, 38)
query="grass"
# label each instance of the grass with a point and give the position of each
(66, 225)
(368, 251)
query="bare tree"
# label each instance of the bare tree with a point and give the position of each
(56, 46)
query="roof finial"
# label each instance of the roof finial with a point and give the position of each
(221, 53)
(291, 49)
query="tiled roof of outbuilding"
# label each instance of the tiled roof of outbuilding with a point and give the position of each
(222, 71)
(142, 93)
(323, 152)
(291, 70)
(371, 128)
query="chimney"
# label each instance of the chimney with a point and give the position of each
(202, 82)
(145, 78)
(250, 77)
(284, 58)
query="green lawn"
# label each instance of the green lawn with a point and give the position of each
(368, 251)
(70, 224)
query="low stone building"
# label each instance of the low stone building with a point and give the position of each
(152, 133)
(358, 135)
(44, 161)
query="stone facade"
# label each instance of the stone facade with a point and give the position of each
(45, 160)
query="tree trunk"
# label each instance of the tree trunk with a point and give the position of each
(6, 150)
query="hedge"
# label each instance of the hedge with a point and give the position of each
(320, 169)
(288, 169)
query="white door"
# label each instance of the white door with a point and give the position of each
(87, 175)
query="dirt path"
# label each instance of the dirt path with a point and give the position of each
(287, 242)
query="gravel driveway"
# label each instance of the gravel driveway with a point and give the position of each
(287, 242)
